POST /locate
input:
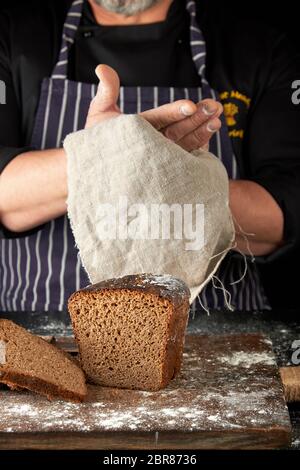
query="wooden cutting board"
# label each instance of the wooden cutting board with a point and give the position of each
(228, 396)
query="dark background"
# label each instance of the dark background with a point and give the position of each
(280, 282)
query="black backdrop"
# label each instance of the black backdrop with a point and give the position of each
(280, 283)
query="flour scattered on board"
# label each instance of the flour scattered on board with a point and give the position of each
(244, 359)
(211, 394)
(217, 411)
(53, 327)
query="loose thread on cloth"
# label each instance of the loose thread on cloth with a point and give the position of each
(201, 304)
(245, 236)
(222, 252)
(226, 293)
(224, 290)
(245, 268)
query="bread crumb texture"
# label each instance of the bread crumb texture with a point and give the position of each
(32, 363)
(131, 336)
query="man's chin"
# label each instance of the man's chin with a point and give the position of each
(126, 7)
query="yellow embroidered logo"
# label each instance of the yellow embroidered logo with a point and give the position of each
(230, 110)
(235, 105)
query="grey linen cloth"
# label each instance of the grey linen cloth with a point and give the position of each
(138, 202)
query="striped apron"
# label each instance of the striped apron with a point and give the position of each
(40, 271)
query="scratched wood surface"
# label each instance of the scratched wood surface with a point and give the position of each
(228, 396)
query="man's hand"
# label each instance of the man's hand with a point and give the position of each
(188, 124)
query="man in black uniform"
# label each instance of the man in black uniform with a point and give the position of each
(154, 46)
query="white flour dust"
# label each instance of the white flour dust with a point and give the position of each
(238, 390)
(244, 359)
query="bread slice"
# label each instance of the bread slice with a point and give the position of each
(27, 361)
(130, 331)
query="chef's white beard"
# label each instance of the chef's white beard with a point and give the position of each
(126, 7)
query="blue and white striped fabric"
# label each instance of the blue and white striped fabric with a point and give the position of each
(39, 272)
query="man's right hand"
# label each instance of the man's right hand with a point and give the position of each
(188, 124)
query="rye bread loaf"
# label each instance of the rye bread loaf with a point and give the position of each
(130, 331)
(27, 361)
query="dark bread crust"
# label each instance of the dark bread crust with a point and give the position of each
(173, 291)
(17, 381)
(164, 286)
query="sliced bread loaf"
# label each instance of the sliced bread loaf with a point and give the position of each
(27, 361)
(130, 331)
